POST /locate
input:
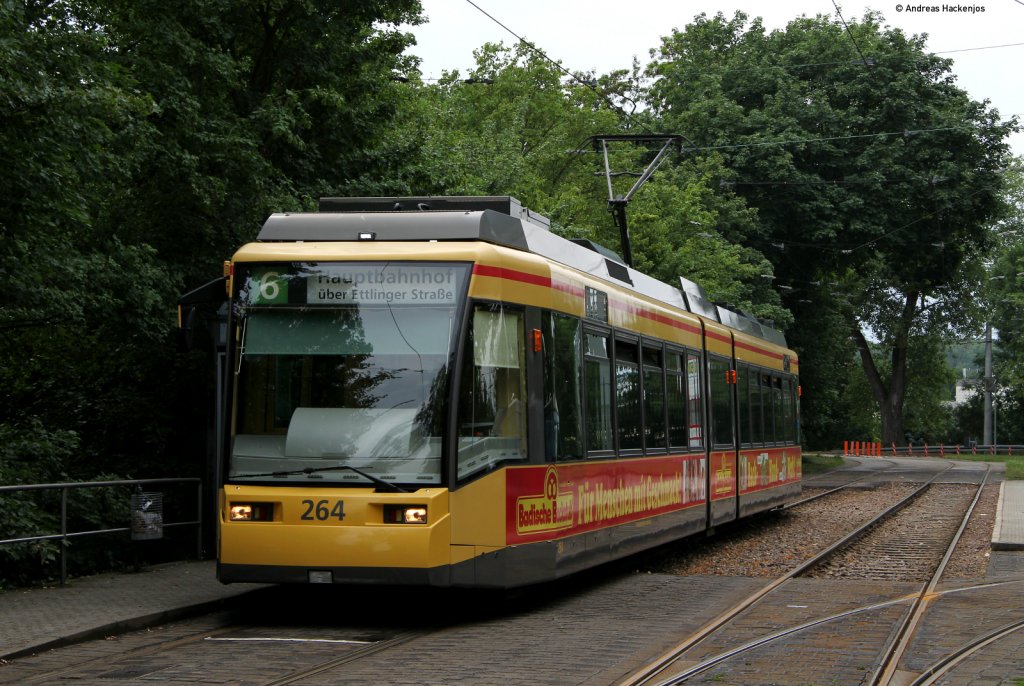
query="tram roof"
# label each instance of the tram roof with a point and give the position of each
(501, 220)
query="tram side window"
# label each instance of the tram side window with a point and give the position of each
(654, 400)
(492, 395)
(695, 398)
(627, 395)
(789, 410)
(563, 407)
(766, 407)
(756, 410)
(795, 389)
(721, 403)
(597, 382)
(743, 402)
(675, 398)
(780, 410)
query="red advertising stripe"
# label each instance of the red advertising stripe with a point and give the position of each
(765, 468)
(623, 306)
(759, 350)
(546, 502)
(526, 277)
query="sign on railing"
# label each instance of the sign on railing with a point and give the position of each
(147, 516)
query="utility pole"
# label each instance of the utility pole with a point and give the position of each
(988, 383)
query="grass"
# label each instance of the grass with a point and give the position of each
(815, 463)
(1015, 470)
(1014, 464)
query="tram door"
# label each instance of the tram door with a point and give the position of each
(723, 465)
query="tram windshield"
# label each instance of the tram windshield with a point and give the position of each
(343, 365)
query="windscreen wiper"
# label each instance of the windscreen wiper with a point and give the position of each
(313, 470)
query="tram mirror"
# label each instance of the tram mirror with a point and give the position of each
(186, 318)
(212, 293)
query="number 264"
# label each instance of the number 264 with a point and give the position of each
(322, 510)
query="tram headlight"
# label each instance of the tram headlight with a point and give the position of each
(251, 512)
(405, 514)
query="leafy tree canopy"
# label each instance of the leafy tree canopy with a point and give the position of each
(141, 142)
(874, 176)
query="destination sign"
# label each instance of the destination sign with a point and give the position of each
(355, 284)
(372, 285)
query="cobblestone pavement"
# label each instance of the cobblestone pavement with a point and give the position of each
(39, 618)
(594, 634)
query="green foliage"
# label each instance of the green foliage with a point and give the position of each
(928, 413)
(257, 108)
(816, 464)
(504, 130)
(30, 453)
(874, 181)
(510, 128)
(141, 143)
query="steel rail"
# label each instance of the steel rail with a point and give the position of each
(665, 661)
(898, 648)
(359, 654)
(143, 651)
(950, 662)
(830, 491)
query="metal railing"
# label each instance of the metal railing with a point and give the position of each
(64, 536)
(875, 449)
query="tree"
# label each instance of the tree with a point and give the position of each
(142, 143)
(1004, 298)
(68, 120)
(874, 177)
(259, 107)
(518, 125)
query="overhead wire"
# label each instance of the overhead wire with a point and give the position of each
(984, 47)
(850, 33)
(557, 65)
(794, 141)
(864, 60)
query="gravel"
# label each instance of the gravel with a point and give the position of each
(970, 559)
(775, 543)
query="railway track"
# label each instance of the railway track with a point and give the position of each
(588, 631)
(219, 653)
(900, 542)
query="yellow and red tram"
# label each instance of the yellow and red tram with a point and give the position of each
(441, 391)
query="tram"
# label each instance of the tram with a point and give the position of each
(441, 391)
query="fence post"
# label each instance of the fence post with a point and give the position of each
(63, 535)
(199, 518)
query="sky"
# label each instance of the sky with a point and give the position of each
(604, 35)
